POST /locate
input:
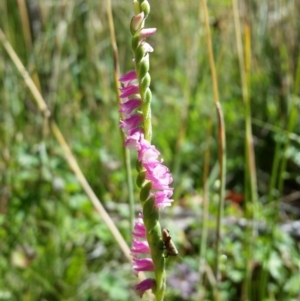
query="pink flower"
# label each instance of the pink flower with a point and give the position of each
(162, 198)
(159, 175)
(143, 264)
(146, 32)
(130, 105)
(147, 152)
(129, 90)
(152, 172)
(146, 284)
(129, 76)
(147, 47)
(139, 230)
(132, 141)
(141, 247)
(130, 124)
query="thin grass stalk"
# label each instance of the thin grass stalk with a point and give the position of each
(61, 34)
(244, 57)
(70, 158)
(221, 140)
(204, 268)
(245, 65)
(247, 190)
(273, 192)
(251, 203)
(204, 226)
(246, 295)
(27, 37)
(25, 24)
(125, 150)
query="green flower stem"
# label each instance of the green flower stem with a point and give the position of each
(154, 238)
(150, 211)
(144, 83)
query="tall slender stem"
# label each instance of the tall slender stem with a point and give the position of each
(221, 138)
(204, 226)
(244, 57)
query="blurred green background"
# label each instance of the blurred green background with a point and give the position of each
(53, 244)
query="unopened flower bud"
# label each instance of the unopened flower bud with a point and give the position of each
(140, 180)
(145, 7)
(136, 22)
(145, 192)
(136, 7)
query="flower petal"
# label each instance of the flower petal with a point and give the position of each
(146, 284)
(130, 105)
(141, 247)
(143, 264)
(129, 90)
(129, 76)
(146, 32)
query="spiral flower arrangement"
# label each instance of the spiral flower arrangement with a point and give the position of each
(154, 177)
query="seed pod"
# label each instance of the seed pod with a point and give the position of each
(169, 246)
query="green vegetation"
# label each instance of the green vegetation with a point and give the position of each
(54, 244)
